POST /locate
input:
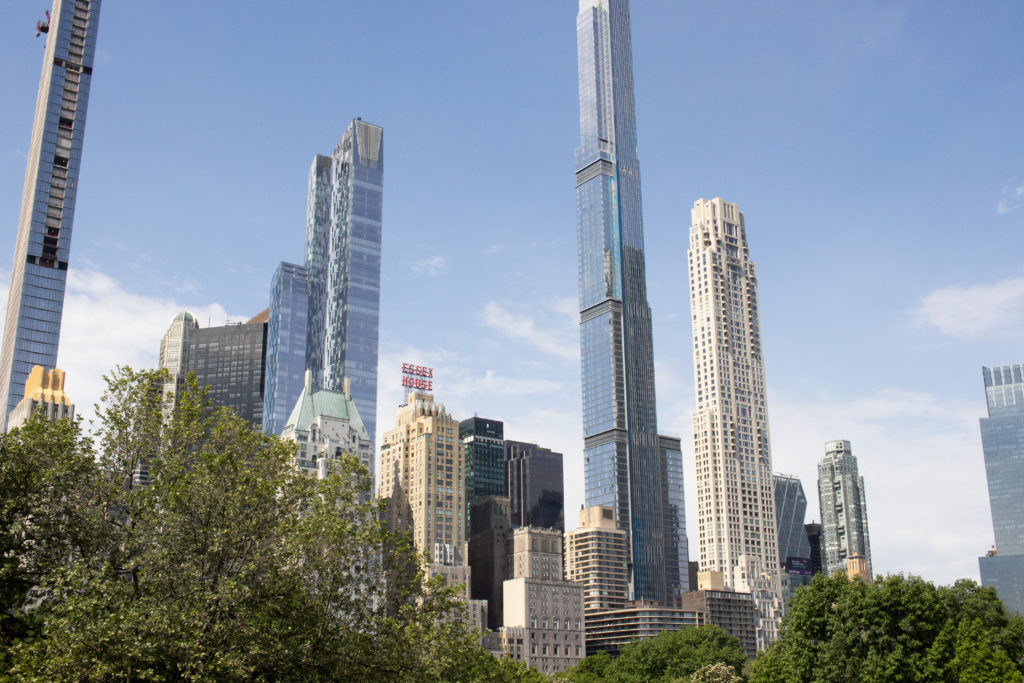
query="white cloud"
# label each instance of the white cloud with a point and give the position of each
(431, 267)
(1011, 199)
(975, 311)
(923, 471)
(559, 342)
(105, 325)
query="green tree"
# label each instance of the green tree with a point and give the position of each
(670, 656)
(229, 565)
(897, 629)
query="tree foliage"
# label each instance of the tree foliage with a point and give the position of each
(229, 565)
(671, 656)
(897, 629)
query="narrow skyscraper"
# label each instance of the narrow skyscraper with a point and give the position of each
(343, 236)
(735, 490)
(623, 466)
(42, 248)
(286, 345)
(1002, 439)
(844, 508)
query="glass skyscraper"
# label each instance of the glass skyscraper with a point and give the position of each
(844, 508)
(39, 272)
(231, 361)
(343, 237)
(535, 485)
(286, 345)
(623, 468)
(1002, 439)
(794, 547)
(677, 547)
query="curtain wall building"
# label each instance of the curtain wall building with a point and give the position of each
(794, 547)
(732, 454)
(844, 508)
(343, 238)
(623, 466)
(231, 360)
(286, 345)
(535, 485)
(35, 303)
(1002, 439)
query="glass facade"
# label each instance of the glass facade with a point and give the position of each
(622, 460)
(286, 345)
(231, 361)
(844, 509)
(483, 447)
(343, 238)
(1002, 440)
(35, 303)
(794, 547)
(535, 485)
(677, 548)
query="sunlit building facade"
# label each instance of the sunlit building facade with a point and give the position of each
(844, 508)
(286, 345)
(35, 303)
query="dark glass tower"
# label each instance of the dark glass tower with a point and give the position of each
(483, 447)
(286, 345)
(794, 546)
(231, 360)
(535, 485)
(1002, 439)
(343, 237)
(42, 248)
(623, 468)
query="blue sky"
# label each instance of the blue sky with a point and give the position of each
(874, 147)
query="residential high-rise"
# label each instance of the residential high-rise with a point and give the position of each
(597, 555)
(286, 345)
(343, 238)
(326, 425)
(535, 485)
(483, 446)
(174, 351)
(677, 547)
(44, 392)
(231, 361)
(39, 270)
(423, 477)
(1002, 439)
(623, 468)
(735, 490)
(794, 548)
(844, 509)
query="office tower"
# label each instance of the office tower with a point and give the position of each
(42, 247)
(44, 392)
(735, 492)
(844, 511)
(483, 447)
(326, 425)
(813, 531)
(596, 555)
(343, 234)
(489, 530)
(542, 623)
(174, 351)
(623, 468)
(677, 546)
(286, 345)
(794, 548)
(535, 485)
(423, 476)
(231, 361)
(1002, 440)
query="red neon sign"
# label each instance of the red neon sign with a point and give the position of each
(416, 377)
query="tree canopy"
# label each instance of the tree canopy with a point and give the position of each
(228, 565)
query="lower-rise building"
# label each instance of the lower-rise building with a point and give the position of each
(735, 613)
(44, 392)
(597, 557)
(610, 630)
(489, 530)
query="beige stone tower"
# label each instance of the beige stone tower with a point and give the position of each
(44, 390)
(597, 557)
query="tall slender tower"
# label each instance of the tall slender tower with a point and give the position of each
(343, 235)
(39, 272)
(623, 468)
(735, 490)
(844, 508)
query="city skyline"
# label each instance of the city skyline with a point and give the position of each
(863, 167)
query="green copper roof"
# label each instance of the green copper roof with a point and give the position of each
(313, 403)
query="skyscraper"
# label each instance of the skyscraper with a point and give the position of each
(535, 485)
(794, 546)
(1002, 439)
(483, 445)
(286, 345)
(735, 490)
(844, 509)
(623, 468)
(231, 360)
(343, 236)
(174, 351)
(677, 546)
(42, 248)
